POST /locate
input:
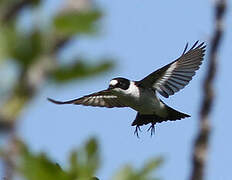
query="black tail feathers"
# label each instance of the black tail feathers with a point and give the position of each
(144, 119)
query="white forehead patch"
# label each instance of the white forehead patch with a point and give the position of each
(113, 82)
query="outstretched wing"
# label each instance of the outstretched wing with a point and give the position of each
(176, 75)
(101, 99)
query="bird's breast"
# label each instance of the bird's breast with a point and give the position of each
(143, 101)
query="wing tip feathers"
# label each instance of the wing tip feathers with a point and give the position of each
(201, 46)
(60, 102)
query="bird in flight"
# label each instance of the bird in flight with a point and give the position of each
(142, 95)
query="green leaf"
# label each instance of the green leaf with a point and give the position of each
(80, 70)
(73, 161)
(74, 166)
(91, 149)
(37, 167)
(24, 48)
(94, 178)
(88, 160)
(3, 47)
(147, 172)
(77, 22)
(150, 166)
(125, 173)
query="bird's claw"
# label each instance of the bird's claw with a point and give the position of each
(136, 131)
(152, 128)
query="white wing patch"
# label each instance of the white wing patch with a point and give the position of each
(167, 75)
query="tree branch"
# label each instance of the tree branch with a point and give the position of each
(202, 140)
(14, 9)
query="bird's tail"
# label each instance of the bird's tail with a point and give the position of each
(172, 115)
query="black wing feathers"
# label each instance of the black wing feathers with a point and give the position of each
(176, 75)
(100, 99)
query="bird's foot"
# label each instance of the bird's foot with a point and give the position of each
(136, 131)
(152, 128)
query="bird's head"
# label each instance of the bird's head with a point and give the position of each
(119, 84)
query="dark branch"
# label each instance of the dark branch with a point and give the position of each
(14, 9)
(202, 140)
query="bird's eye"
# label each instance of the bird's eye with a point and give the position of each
(120, 84)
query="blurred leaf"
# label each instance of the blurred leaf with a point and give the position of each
(37, 167)
(147, 172)
(74, 166)
(36, 2)
(73, 160)
(2, 46)
(40, 167)
(126, 173)
(84, 163)
(80, 70)
(151, 166)
(94, 178)
(24, 48)
(91, 149)
(77, 22)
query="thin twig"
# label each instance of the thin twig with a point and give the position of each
(202, 140)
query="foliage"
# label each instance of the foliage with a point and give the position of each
(80, 69)
(77, 22)
(83, 164)
(23, 48)
(34, 52)
(145, 173)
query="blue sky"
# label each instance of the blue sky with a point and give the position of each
(142, 36)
